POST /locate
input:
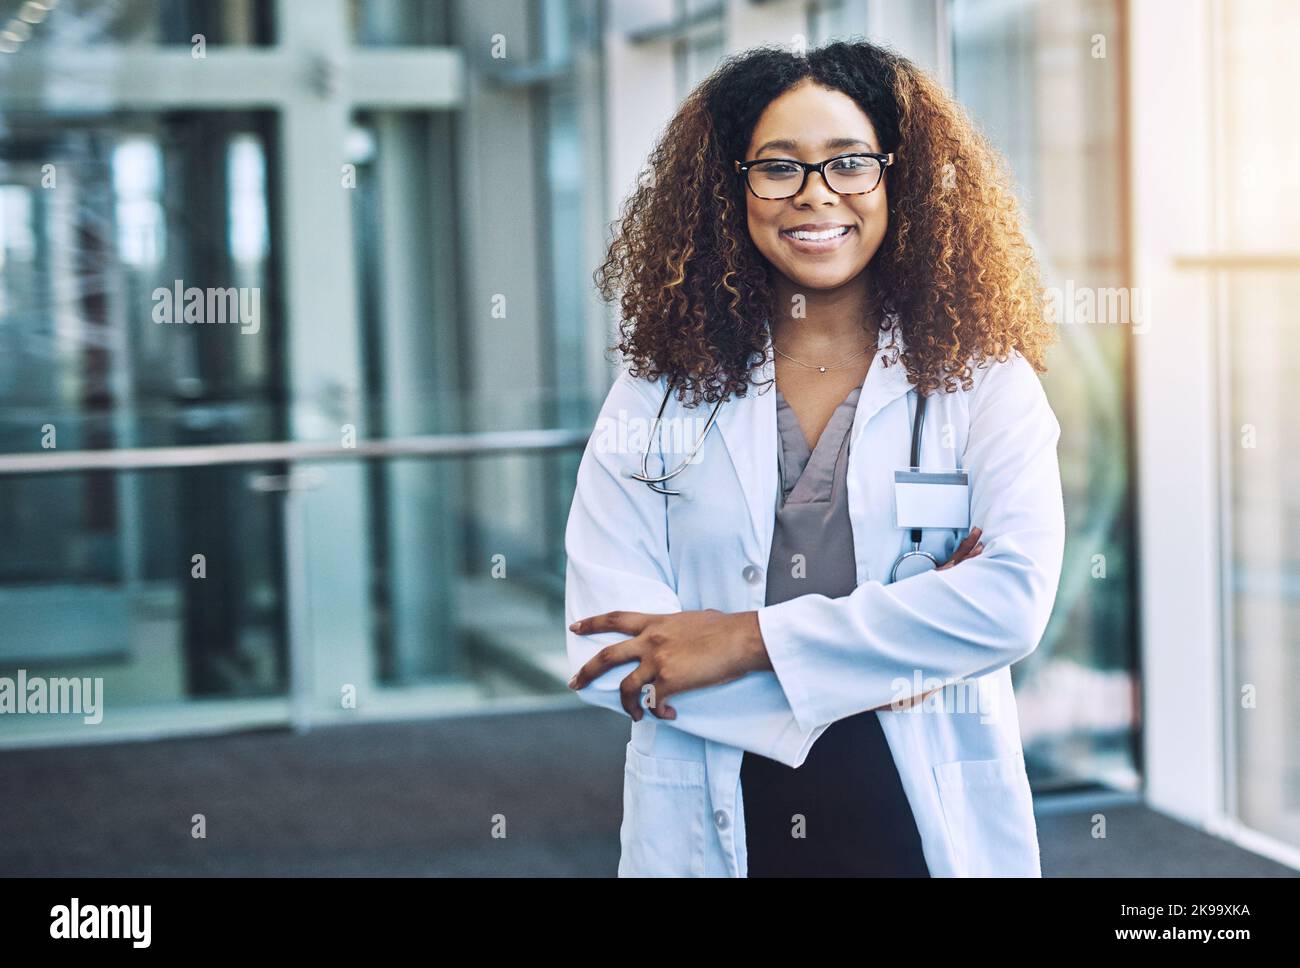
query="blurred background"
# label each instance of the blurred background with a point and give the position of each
(363, 650)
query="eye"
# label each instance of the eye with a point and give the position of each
(854, 165)
(776, 169)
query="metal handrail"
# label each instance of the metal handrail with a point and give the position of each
(217, 455)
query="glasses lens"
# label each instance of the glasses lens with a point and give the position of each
(775, 179)
(851, 175)
(781, 179)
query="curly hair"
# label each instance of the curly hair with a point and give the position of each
(953, 271)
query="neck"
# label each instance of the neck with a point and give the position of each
(829, 322)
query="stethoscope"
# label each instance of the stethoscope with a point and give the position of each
(920, 561)
(913, 562)
(654, 482)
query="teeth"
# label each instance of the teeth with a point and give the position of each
(819, 236)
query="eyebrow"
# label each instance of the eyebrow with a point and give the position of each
(786, 144)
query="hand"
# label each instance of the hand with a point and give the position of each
(680, 651)
(677, 652)
(970, 547)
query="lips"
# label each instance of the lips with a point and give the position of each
(823, 240)
(819, 232)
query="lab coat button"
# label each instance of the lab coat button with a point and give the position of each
(721, 819)
(753, 574)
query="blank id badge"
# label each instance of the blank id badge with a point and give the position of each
(931, 499)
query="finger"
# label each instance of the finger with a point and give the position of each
(657, 700)
(965, 544)
(658, 706)
(629, 623)
(958, 554)
(631, 689)
(961, 554)
(969, 541)
(604, 660)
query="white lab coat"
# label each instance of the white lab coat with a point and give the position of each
(958, 753)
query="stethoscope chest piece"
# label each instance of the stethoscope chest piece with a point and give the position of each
(914, 562)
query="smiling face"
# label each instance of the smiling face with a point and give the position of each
(811, 123)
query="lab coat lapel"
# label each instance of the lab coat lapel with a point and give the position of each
(883, 385)
(748, 426)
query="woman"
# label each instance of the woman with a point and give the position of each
(830, 228)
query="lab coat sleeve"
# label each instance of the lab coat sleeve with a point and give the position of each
(837, 657)
(616, 545)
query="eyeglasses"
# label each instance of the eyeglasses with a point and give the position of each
(851, 174)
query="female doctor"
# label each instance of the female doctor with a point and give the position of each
(821, 513)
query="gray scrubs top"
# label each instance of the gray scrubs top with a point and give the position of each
(855, 816)
(813, 519)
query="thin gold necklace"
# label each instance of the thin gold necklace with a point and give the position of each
(829, 366)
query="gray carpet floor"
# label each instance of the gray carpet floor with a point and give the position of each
(422, 798)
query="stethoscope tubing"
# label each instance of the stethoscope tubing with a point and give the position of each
(653, 482)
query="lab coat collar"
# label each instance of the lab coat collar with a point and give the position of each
(748, 426)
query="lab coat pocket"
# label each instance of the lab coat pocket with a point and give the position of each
(989, 812)
(665, 809)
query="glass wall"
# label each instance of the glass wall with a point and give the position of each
(403, 221)
(1257, 282)
(1044, 81)
(570, 109)
(354, 232)
(103, 218)
(700, 43)
(398, 23)
(64, 25)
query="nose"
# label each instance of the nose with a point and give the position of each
(815, 189)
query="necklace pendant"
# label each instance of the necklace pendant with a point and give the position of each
(822, 369)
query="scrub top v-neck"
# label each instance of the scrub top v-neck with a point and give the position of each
(855, 815)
